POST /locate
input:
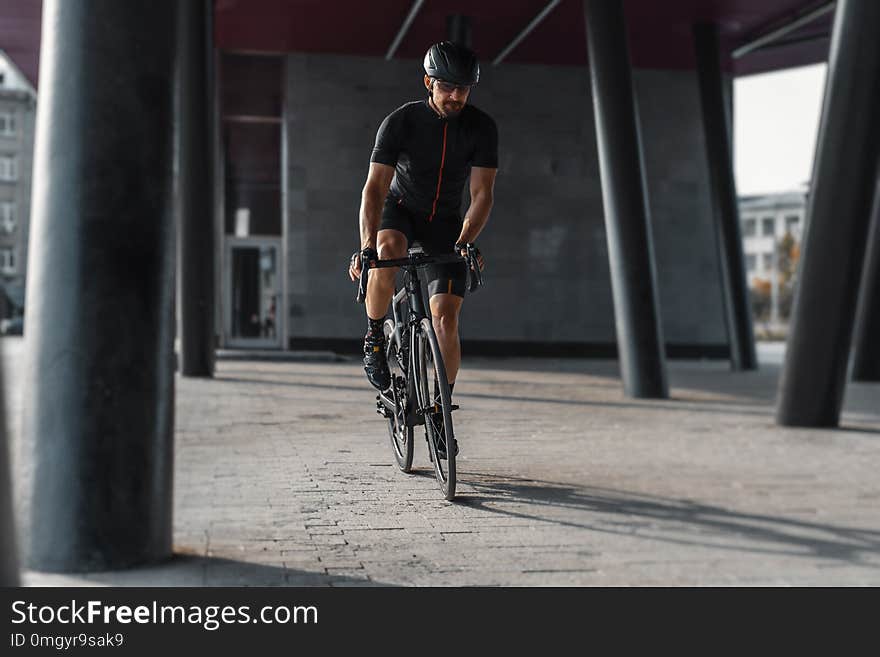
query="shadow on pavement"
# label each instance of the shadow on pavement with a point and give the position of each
(190, 570)
(679, 401)
(678, 521)
(671, 404)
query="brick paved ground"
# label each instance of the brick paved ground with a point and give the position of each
(284, 476)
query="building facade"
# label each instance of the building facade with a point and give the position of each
(767, 221)
(18, 104)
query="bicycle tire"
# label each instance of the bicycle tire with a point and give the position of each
(400, 434)
(431, 368)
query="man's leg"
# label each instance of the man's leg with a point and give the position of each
(380, 283)
(444, 316)
(380, 288)
(445, 309)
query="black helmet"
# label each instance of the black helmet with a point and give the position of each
(452, 62)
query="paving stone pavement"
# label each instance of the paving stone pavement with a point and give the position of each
(284, 477)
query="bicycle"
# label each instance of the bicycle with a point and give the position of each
(419, 390)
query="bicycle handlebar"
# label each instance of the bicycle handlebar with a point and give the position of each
(419, 260)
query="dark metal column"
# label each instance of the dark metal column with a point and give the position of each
(866, 350)
(8, 552)
(630, 251)
(99, 370)
(458, 29)
(196, 189)
(724, 205)
(838, 215)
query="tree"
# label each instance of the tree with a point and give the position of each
(760, 296)
(788, 253)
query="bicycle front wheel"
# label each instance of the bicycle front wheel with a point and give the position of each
(436, 406)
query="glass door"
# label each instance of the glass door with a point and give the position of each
(253, 292)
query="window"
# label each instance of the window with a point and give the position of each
(8, 168)
(749, 227)
(7, 216)
(768, 262)
(7, 124)
(791, 222)
(242, 222)
(7, 261)
(768, 224)
(751, 262)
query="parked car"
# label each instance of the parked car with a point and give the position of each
(13, 326)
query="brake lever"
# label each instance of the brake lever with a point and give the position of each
(362, 282)
(474, 266)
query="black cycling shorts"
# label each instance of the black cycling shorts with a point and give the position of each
(437, 237)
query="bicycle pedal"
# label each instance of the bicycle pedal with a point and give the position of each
(452, 407)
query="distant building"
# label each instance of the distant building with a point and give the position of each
(18, 104)
(764, 221)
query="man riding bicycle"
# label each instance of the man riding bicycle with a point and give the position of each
(424, 153)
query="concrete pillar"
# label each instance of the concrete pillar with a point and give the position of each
(866, 350)
(458, 30)
(99, 370)
(8, 551)
(630, 251)
(724, 204)
(195, 134)
(838, 215)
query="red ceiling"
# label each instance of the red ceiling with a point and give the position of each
(20, 34)
(659, 30)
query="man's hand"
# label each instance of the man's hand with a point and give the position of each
(463, 251)
(354, 265)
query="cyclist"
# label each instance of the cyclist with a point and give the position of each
(424, 153)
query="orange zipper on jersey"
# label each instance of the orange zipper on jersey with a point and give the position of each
(439, 175)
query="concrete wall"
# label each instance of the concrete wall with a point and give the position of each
(547, 278)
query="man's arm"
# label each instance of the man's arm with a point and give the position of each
(372, 199)
(482, 195)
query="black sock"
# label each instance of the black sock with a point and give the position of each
(374, 329)
(451, 386)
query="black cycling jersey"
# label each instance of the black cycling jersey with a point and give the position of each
(433, 155)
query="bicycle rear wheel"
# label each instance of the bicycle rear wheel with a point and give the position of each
(401, 435)
(436, 404)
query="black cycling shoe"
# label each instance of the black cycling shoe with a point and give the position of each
(437, 421)
(375, 363)
(441, 448)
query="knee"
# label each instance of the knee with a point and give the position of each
(392, 248)
(446, 322)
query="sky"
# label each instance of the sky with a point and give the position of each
(776, 118)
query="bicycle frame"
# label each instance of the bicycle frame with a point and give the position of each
(407, 322)
(411, 292)
(424, 401)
